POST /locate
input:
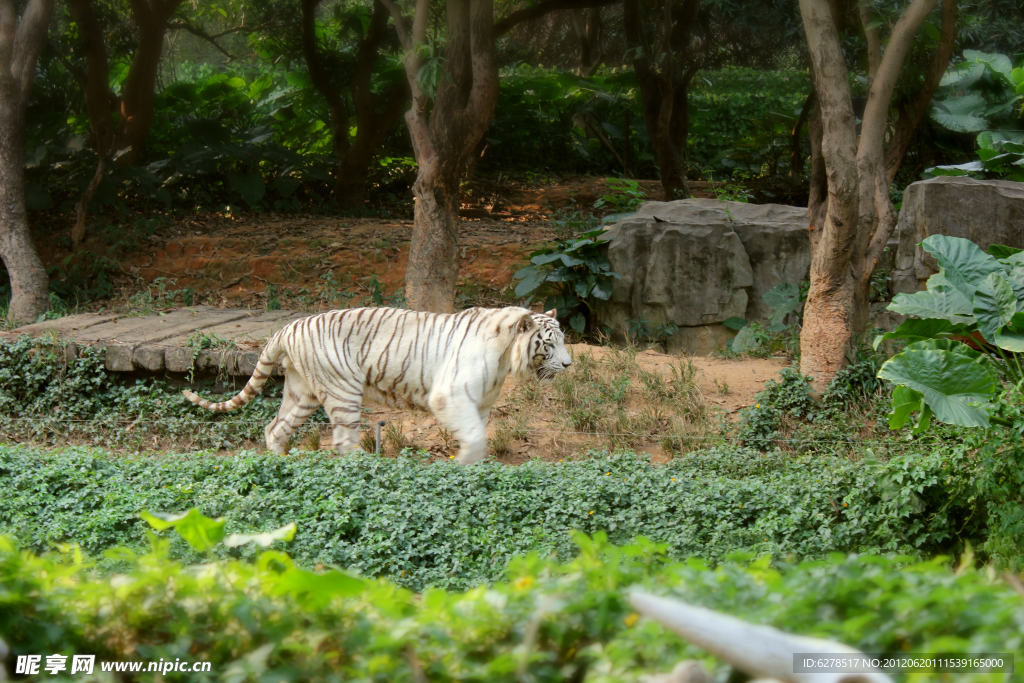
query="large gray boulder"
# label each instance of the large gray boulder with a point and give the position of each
(699, 262)
(986, 212)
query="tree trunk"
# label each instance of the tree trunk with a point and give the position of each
(30, 287)
(376, 114)
(20, 42)
(856, 216)
(444, 133)
(664, 85)
(433, 270)
(138, 94)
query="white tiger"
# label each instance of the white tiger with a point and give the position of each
(450, 364)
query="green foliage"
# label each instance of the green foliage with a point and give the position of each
(997, 458)
(784, 415)
(979, 297)
(645, 330)
(274, 621)
(787, 397)
(158, 295)
(626, 197)
(740, 122)
(732, 192)
(983, 94)
(974, 296)
(456, 527)
(46, 394)
(577, 273)
(535, 122)
(757, 339)
(243, 137)
(742, 118)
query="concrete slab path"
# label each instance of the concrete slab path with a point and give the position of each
(170, 340)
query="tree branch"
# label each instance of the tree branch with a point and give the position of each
(540, 9)
(873, 38)
(400, 24)
(876, 112)
(28, 41)
(185, 25)
(910, 120)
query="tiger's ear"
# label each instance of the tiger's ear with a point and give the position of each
(525, 324)
(552, 313)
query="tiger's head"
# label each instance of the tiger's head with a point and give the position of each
(542, 353)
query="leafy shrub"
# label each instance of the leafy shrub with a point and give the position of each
(762, 339)
(975, 296)
(625, 197)
(789, 396)
(962, 366)
(740, 122)
(578, 274)
(271, 620)
(983, 95)
(455, 527)
(741, 119)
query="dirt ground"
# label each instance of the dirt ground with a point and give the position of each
(255, 260)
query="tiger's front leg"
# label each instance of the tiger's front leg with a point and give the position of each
(466, 422)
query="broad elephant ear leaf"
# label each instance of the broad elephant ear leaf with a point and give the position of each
(1001, 251)
(1011, 337)
(905, 402)
(532, 279)
(994, 305)
(963, 262)
(941, 300)
(1014, 265)
(955, 385)
(917, 329)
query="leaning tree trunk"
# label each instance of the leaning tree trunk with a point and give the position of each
(852, 223)
(20, 42)
(99, 105)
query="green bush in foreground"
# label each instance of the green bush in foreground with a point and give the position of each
(271, 621)
(455, 527)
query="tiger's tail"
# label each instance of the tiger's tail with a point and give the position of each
(264, 366)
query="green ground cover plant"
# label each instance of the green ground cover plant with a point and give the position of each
(48, 394)
(454, 527)
(544, 621)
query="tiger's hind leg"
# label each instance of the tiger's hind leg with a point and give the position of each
(297, 404)
(343, 413)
